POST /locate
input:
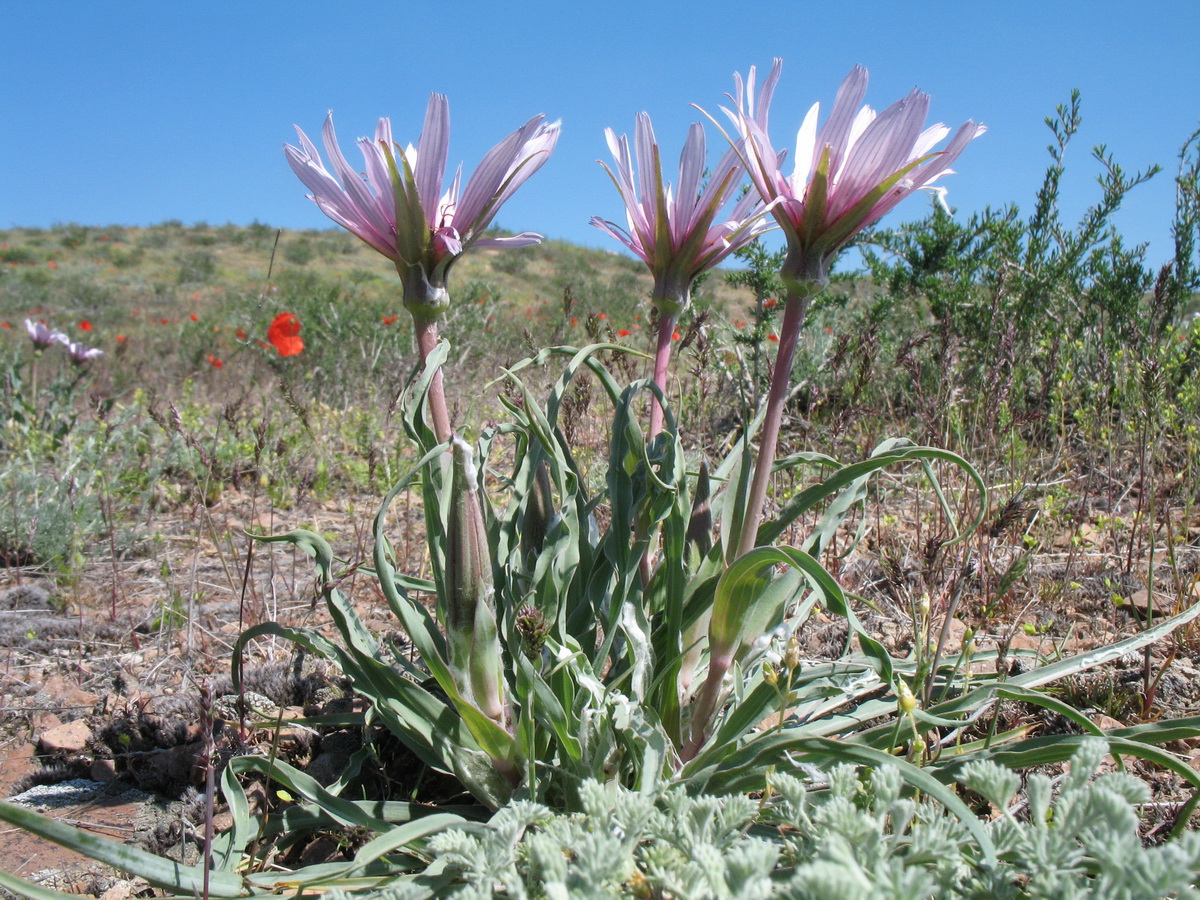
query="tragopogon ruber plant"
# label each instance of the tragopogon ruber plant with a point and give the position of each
(553, 652)
(673, 229)
(846, 176)
(42, 336)
(399, 207)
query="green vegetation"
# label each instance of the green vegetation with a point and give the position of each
(985, 496)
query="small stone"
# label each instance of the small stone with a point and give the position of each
(1106, 723)
(1161, 603)
(103, 771)
(46, 722)
(954, 638)
(70, 738)
(69, 695)
(123, 890)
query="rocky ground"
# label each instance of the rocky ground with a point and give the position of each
(101, 678)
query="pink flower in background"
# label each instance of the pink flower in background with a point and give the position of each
(673, 229)
(399, 206)
(81, 353)
(849, 172)
(43, 336)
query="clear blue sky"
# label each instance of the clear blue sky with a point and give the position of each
(135, 112)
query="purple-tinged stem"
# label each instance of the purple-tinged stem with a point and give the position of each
(796, 307)
(427, 340)
(662, 360)
(799, 294)
(706, 706)
(426, 301)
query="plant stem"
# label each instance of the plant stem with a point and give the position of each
(427, 301)
(799, 295)
(706, 706)
(662, 360)
(427, 340)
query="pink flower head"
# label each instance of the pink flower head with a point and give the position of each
(400, 206)
(671, 228)
(43, 336)
(81, 353)
(848, 173)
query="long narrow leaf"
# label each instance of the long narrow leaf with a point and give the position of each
(159, 871)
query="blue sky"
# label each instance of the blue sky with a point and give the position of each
(136, 112)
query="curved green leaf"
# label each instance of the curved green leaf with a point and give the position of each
(157, 870)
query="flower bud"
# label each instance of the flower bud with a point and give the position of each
(470, 611)
(791, 654)
(699, 530)
(770, 674)
(905, 699)
(539, 512)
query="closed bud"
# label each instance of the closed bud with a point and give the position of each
(539, 511)
(699, 530)
(905, 699)
(791, 654)
(470, 604)
(770, 674)
(924, 605)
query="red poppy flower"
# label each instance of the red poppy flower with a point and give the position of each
(773, 337)
(194, 317)
(120, 338)
(624, 332)
(770, 303)
(675, 335)
(214, 362)
(389, 320)
(574, 320)
(164, 322)
(85, 325)
(5, 325)
(284, 334)
(602, 316)
(241, 335)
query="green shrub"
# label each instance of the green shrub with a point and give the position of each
(196, 266)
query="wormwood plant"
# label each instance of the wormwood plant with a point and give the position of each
(824, 835)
